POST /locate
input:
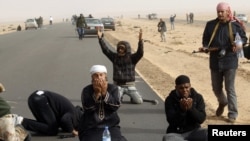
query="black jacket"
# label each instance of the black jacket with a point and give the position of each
(66, 113)
(181, 121)
(52, 112)
(98, 114)
(222, 40)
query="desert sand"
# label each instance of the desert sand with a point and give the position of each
(164, 61)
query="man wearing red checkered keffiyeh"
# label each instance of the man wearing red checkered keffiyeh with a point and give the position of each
(219, 34)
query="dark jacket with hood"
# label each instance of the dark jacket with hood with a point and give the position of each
(222, 40)
(123, 66)
(162, 26)
(183, 121)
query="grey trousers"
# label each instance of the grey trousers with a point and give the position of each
(199, 134)
(132, 92)
(228, 76)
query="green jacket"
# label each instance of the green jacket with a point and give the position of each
(81, 22)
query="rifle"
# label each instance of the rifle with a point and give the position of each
(206, 50)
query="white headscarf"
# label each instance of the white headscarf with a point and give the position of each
(98, 68)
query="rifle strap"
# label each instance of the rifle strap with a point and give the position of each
(230, 33)
(214, 31)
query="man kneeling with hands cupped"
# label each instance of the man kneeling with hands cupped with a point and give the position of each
(185, 112)
(100, 101)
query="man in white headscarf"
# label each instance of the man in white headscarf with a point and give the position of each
(100, 101)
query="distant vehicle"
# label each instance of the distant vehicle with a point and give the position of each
(152, 16)
(93, 24)
(109, 23)
(242, 17)
(31, 23)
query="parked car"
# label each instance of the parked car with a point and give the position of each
(31, 23)
(242, 17)
(93, 24)
(109, 23)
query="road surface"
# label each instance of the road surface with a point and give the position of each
(53, 58)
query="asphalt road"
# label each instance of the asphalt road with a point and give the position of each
(53, 58)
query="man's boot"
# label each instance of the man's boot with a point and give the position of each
(220, 109)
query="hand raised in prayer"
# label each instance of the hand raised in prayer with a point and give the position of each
(97, 88)
(100, 87)
(140, 34)
(99, 33)
(186, 103)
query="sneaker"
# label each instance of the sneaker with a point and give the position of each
(220, 109)
(231, 120)
(17, 119)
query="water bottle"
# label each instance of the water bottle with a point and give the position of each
(106, 134)
(238, 43)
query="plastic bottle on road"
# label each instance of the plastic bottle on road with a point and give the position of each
(106, 134)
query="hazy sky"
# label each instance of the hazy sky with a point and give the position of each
(19, 10)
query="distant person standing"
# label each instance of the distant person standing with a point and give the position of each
(19, 28)
(40, 22)
(172, 18)
(51, 20)
(90, 16)
(80, 24)
(187, 16)
(162, 28)
(191, 17)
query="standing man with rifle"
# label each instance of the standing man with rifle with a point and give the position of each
(218, 40)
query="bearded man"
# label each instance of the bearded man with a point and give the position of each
(219, 35)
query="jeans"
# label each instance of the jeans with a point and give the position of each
(80, 32)
(163, 36)
(172, 25)
(230, 98)
(132, 92)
